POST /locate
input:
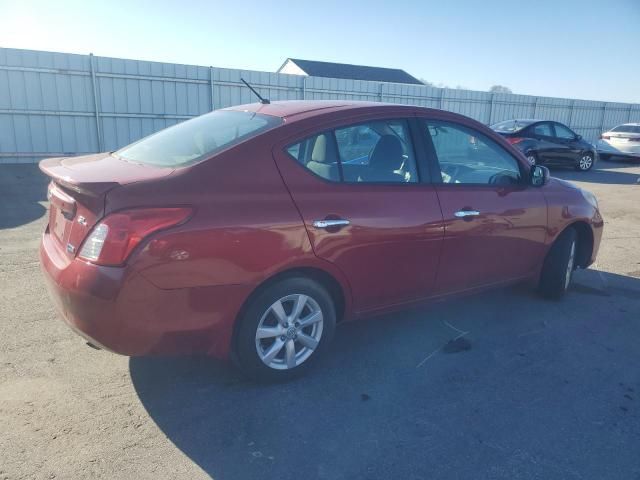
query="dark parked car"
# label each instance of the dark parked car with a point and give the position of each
(249, 232)
(548, 143)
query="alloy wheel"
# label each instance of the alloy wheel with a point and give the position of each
(585, 162)
(531, 158)
(289, 331)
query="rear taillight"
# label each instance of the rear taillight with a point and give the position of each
(605, 137)
(514, 140)
(115, 237)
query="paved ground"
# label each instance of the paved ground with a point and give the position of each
(535, 389)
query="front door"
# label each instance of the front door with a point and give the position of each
(568, 148)
(545, 145)
(495, 223)
(358, 191)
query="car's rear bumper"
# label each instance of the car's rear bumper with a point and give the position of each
(121, 311)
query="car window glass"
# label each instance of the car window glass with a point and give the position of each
(626, 129)
(379, 151)
(466, 156)
(543, 129)
(510, 126)
(198, 138)
(318, 155)
(563, 132)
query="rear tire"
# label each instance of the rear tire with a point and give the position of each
(559, 266)
(295, 318)
(532, 158)
(585, 162)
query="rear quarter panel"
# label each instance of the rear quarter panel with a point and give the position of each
(245, 227)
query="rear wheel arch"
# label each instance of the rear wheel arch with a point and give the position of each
(322, 277)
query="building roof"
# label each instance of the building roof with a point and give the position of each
(353, 72)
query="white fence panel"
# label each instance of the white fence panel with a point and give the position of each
(54, 104)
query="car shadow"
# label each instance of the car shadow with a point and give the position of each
(604, 172)
(401, 396)
(23, 190)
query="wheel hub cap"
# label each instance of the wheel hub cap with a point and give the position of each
(289, 331)
(292, 333)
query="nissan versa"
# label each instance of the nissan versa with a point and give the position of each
(249, 232)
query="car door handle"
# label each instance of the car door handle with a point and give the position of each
(331, 223)
(466, 213)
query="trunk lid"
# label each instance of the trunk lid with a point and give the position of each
(78, 191)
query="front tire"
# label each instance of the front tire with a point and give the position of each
(585, 162)
(558, 267)
(284, 329)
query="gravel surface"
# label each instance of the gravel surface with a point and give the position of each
(501, 385)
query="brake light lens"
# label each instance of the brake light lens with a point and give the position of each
(605, 137)
(113, 239)
(514, 140)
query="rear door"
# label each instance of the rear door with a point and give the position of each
(357, 186)
(495, 223)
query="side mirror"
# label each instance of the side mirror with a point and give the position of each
(578, 137)
(539, 175)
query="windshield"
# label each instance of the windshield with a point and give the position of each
(510, 126)
(200, 137)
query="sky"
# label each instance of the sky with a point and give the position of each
(585, 49)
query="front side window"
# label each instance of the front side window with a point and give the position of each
(466, 156)
(195, 139)
(563, 132)
(543, 130)
(373, 152)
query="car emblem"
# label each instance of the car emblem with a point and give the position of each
(70, 248)
(179, 255)
(82, 221)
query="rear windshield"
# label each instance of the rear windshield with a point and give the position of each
(627, 129)
(510, 126)
(195, 139)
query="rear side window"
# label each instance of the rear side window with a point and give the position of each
(198, 138)
(543, 129)
(318, 154)
(373, 152)
(466, 156)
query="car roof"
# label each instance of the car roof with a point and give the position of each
(290, 109)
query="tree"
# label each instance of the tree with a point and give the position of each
(500, 89)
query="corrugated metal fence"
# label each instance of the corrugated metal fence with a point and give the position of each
(55, 104)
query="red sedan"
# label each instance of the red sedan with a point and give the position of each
(249, 232)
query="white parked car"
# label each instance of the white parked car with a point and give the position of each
(620, 141)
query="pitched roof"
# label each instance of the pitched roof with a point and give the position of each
(354, 72)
